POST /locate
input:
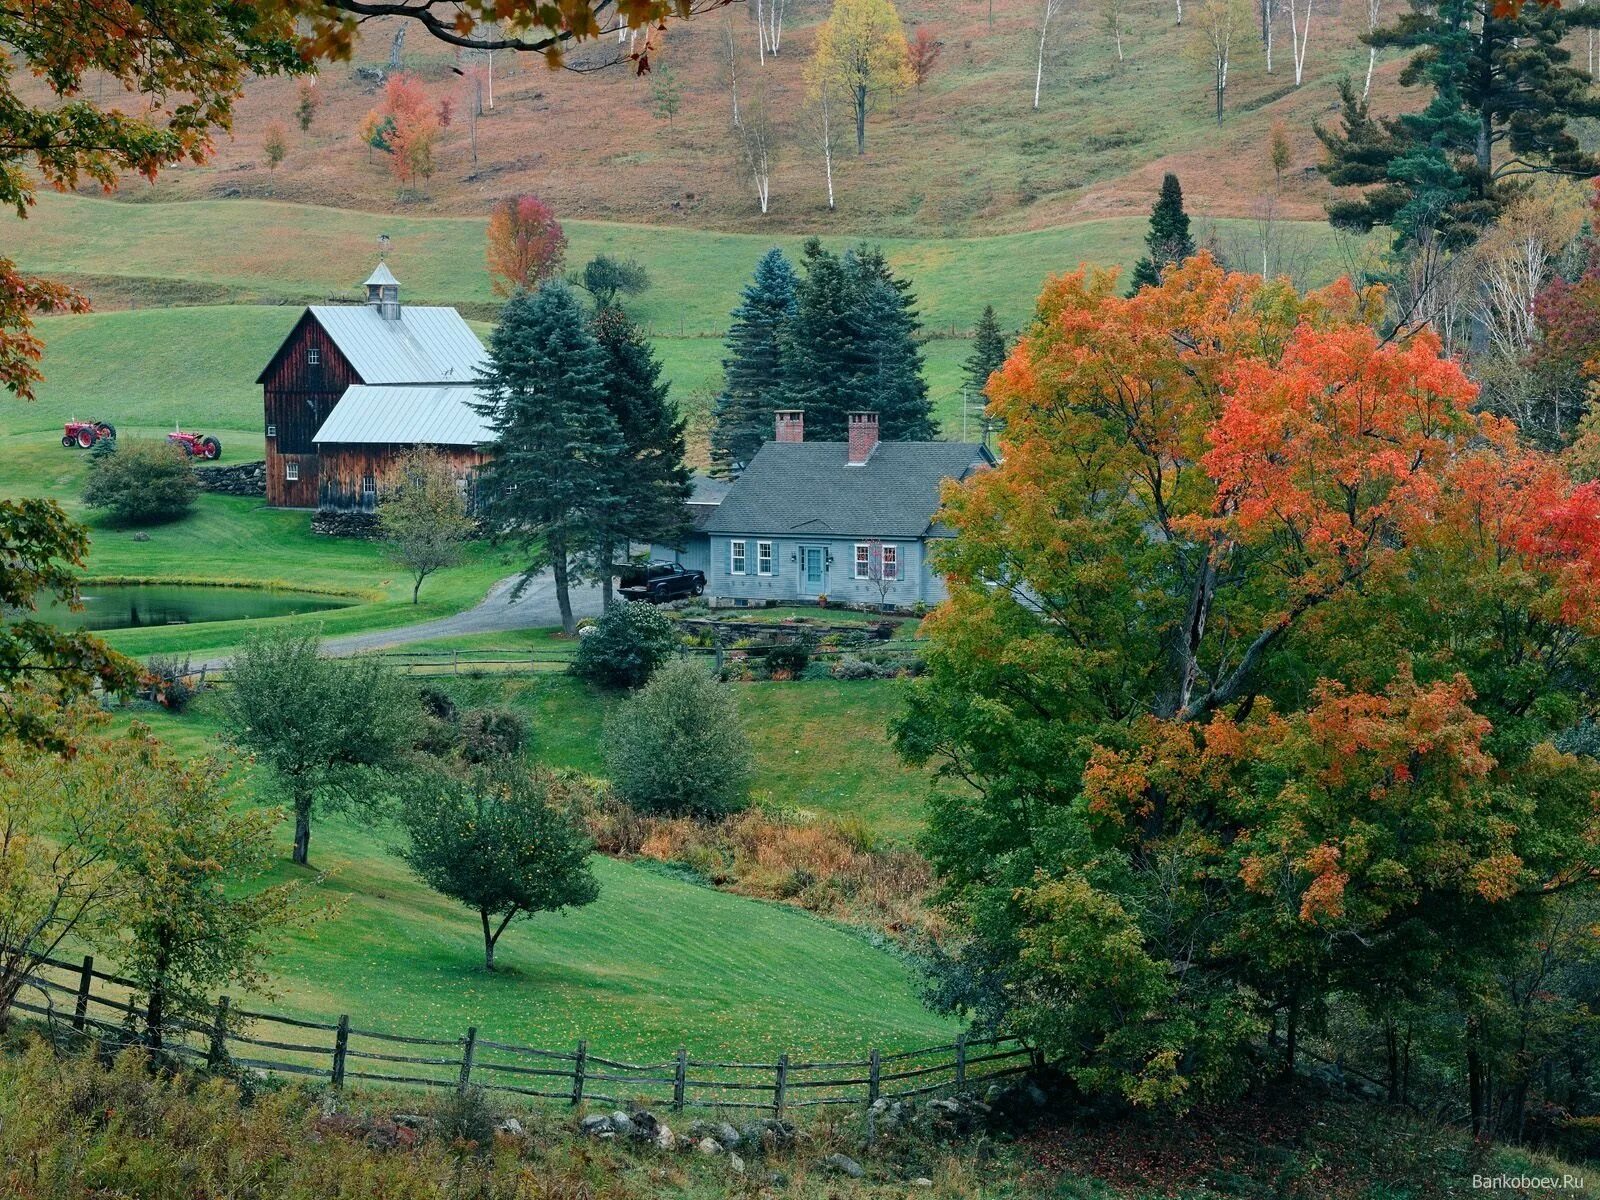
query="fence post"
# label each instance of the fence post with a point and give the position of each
(466, 1059)
(577, 1071)
(780, 1092)
(680, 1079)
(217, 1052)
(455, 660)
(874, 1072)
(961, 1061)
(80, 1010)
(341, 1044)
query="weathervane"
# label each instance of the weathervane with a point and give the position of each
(383, 246)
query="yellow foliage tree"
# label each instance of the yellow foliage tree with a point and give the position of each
(862, 53)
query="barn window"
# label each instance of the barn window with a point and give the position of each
(291, 471)
(313, 356)
(369, 489)
(272, 431)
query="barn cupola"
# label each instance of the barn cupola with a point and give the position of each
(383, 293)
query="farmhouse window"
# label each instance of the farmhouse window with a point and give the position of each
(736, 558)
(891, 562)
(291, 471)
(763, 558)
(272, 431)
(863, 560)
(313, 356)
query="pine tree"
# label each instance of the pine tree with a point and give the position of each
(1501, 95)
(1168, 240)
(545, 393)
(753, 370)
(988, 356)
(651, 482)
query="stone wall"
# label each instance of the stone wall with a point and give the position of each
(241, 479)
(345, 524)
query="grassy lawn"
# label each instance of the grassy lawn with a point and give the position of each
(821, 746)
(656, 962)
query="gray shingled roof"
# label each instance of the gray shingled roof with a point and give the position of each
(806, 488)
(425, 345)
(432, 416)
(705, 494)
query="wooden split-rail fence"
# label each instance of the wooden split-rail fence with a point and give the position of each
(78, 998)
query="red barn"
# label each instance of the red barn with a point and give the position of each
(354, 385)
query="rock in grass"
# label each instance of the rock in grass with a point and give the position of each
(621, 1123)
(709, 1145)
(597, 1125)
(844, 1165)
(736, 1163)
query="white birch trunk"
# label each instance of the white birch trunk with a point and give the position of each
(1300, 37)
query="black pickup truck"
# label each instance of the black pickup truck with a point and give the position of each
(657, 582)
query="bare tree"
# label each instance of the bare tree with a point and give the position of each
(758, 145)
(774, 26)
(1052, 9)
(1514, 260)
(1299, 36)
(1269, 244)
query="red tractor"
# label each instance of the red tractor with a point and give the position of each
(196, 445)
(84, 434)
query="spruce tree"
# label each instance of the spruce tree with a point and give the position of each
(753, 370)
(988, 356)
(1501, 93)
(1168, 239)
(553, 472)
(853, 344)
(819, 345)
(888, 357)
(651, 482)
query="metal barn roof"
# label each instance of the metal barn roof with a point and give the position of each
(423, 345)
(407, 416)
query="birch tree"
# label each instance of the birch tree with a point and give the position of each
(1114, 16)
(757, 145)
(1268, 8)
(861, 51)
(1299, 36)
(1216, 37)
(1515, 259)
(1051, 10)
(820, 129)
(730, 65)
(1372, 51)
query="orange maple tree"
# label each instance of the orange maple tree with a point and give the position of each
(526, 244)
(1259, 644)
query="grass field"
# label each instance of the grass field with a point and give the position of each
(655, 963)
(259, 249)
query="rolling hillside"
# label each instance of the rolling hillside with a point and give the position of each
(966, 154)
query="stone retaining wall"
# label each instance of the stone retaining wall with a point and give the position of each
(241, 479)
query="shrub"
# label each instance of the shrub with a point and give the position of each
(490, 734)
(678, 746)
(789, 656)
(170, 682)
(626, 645)
(143, 483)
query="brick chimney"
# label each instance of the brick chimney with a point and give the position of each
(863, 436)
(790, 425)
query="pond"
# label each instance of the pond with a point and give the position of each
(134, 606)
